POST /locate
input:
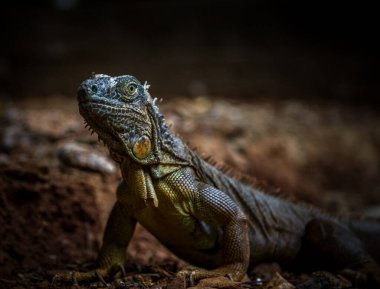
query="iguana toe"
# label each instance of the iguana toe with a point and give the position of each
(195, 274)
(100, 275)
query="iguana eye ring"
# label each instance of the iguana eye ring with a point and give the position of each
(131, 88)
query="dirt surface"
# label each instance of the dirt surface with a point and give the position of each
(57, 183)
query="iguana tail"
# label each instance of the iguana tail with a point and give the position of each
(368, 231)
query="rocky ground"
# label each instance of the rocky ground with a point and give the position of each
(57, 183)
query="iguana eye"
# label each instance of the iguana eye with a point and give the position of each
(127, 89)
(131, 88)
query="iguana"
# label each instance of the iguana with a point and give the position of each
(218, 224)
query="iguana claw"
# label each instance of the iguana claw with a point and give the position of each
(74, 276)
(191, 278)
(100, 277)
(122, 270)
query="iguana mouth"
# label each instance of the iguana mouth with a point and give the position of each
(99, 101)
(87, 100)
(115, 109)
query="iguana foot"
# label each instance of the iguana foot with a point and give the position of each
(101, 275)
(360, 277)
(323, 279)
(195, 274)
(335, 243)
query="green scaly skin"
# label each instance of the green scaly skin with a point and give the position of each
(201, 214)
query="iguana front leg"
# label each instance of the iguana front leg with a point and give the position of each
(217, 209)
(119, 230)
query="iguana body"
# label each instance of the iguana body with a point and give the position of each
(200, 213)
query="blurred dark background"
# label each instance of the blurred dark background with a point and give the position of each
(314, 50)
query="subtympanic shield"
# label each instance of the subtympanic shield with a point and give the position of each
(142, 147)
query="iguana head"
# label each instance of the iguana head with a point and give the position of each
(123, 114)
